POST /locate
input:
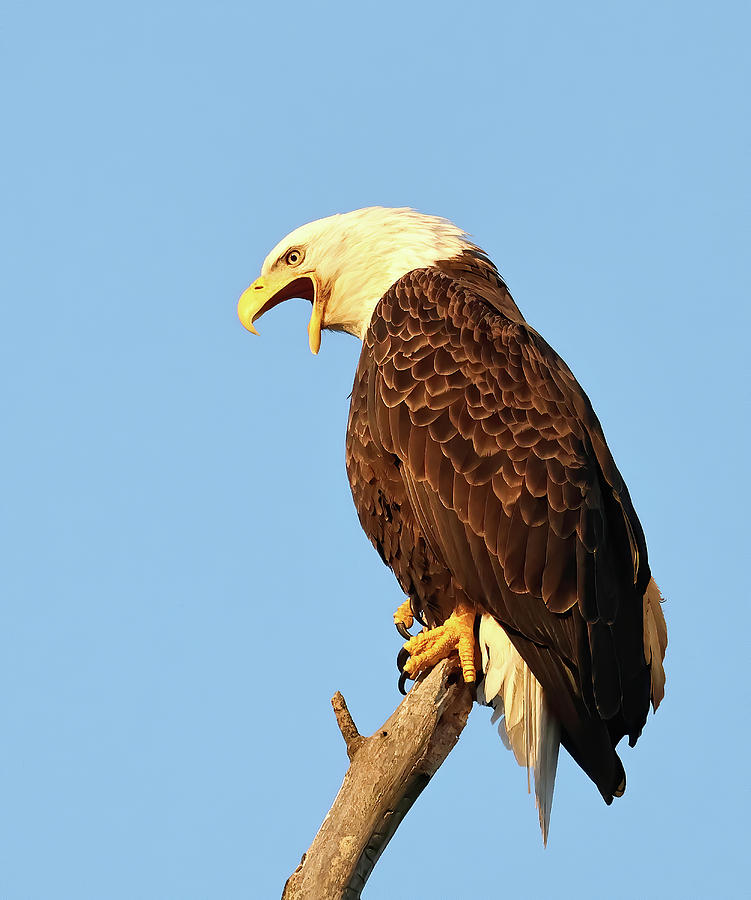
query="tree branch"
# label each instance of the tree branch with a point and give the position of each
(388, 771)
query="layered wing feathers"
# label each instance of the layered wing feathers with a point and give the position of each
(503, 464)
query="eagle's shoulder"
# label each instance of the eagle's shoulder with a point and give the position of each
(471, 272)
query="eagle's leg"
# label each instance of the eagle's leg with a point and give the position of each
(404, 619)
(431, 646)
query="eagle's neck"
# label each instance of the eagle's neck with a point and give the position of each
(354, 295)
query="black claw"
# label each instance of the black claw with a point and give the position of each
(402, 629)
(401, 661)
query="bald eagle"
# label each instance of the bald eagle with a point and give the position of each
(481, 475)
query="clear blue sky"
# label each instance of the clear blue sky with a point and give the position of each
(185, 584)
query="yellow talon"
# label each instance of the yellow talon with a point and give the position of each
(432, 645)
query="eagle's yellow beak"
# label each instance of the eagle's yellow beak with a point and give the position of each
(267, 292)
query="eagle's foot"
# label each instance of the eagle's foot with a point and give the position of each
(431, 646)
(405, 617)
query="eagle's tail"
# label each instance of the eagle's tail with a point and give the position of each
(526, 724)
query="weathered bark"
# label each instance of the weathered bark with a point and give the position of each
(387, 773)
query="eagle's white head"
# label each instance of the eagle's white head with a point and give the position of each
(345, 263)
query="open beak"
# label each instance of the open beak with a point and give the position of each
(267, 292)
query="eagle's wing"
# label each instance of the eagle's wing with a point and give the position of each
(514, 486)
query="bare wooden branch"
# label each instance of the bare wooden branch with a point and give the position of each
(387, 773)
(352, 737)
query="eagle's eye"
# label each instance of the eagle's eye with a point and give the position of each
(293, 257)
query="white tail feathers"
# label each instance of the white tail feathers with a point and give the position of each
(526, 725)
(655, 640)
